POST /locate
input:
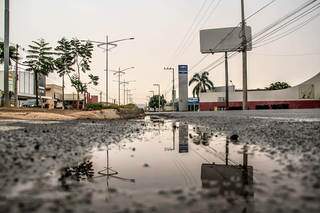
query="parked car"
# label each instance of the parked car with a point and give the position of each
(30, 103)
(59, 105)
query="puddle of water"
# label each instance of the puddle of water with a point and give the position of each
(169, 162)
(176, 156)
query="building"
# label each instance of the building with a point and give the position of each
(54, 91)
(304, 95)
(25, 85)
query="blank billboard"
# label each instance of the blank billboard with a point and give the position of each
(223, 40)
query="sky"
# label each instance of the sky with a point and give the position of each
(159, 26)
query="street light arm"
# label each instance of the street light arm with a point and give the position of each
(116, 41)
(126, 69)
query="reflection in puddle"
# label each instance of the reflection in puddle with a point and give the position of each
(82, 172)
(181, 161)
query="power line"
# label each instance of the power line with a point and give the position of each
(288, 32)
(194, 29)
(191, 26)
(250, 16)
(269, 27)
(288, 55)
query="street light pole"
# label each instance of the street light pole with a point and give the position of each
(152, 91)
(107, 69)
(114, 45)
(119, 72)
(6, 54)
(173, 89)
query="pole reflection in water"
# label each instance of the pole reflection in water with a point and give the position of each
(108, 172)
(183, 138)
(233, 182)
(174, 129)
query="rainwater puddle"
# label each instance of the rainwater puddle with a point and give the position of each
(177, 164)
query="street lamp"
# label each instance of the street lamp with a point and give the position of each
(119, 72)
(158, 85)
(107, 49)
(173, 90)
(152, 91)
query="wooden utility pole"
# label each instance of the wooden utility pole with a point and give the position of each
(16, 78)
(244, 59)
(227, 80)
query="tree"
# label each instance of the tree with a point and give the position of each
(83, 87)
(40, 61)
(81, 53)
(278, 85)
(64, 61)
(154, 101)
(203, 84)
(13, 55)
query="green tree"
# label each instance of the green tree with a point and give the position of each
(81, 53)
(13, 55)
(278, 85)
(154, 101)
(203, 84)
(64, 61)
(40, 61)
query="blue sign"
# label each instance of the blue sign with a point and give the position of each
(183, 69)
(193, 100)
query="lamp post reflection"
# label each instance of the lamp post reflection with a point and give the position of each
(108, 172)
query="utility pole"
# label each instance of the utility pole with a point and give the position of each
(101, 97)
(124, 91)
(107, 70)
(173, 89)
(119, 72)
(227, 80)
(244, 59)
(6, 54)
(119, 82)
(16, 78)
(108, 43)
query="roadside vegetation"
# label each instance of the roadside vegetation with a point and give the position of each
(154, 102)
(278, 85)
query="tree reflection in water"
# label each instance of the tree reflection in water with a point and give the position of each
(84, 171)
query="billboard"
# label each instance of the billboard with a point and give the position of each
(223, 40)
(183, 87)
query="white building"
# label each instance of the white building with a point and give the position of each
(304, 95)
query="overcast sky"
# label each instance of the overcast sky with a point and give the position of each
(158, 27)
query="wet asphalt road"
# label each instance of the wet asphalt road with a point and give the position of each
(32, 153)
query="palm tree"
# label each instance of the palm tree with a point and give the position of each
(203, 84)
(12, 53)
(40, 61)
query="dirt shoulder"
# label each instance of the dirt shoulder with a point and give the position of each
(62, 115)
